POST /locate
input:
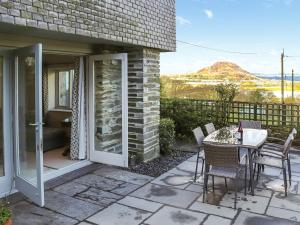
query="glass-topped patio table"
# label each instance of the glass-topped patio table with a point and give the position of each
(252, 139)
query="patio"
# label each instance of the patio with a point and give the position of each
(100, 194)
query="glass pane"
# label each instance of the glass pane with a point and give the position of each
(26, 112)
(108, 106)
(1, 120)
(64, 88)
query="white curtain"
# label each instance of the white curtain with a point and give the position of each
(78, 146)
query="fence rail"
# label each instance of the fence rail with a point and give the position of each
(270, 114)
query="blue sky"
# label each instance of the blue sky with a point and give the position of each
(264, 27)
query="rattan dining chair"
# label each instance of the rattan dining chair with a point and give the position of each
(276, 159)
(199, 136)
(275, 148)
(223, 161)
(251, 124)
(210, 127)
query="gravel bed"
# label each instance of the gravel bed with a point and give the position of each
(162, 164)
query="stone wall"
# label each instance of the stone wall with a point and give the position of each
(149, 23)
(143, 103)
(108, 106)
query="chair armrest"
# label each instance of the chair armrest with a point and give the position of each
(276, 139)
(272, 147)
(272, 154)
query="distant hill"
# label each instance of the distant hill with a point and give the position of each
(222, 71)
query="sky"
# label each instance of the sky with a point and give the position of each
(263, 27)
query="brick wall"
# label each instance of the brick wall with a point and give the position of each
(149, 23)
(143, 103)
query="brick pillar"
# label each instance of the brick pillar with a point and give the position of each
(143, 103)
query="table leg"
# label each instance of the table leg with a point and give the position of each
(251, 171)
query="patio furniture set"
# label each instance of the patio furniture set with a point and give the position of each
(221, 155)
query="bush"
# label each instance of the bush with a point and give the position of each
(5, 215)
(166, 136)
(186, 116)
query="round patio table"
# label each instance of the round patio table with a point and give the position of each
(252, 140)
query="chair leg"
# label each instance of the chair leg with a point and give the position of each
(196, 170)
(253, 175)
(284, 178)
(235, 193)
(289, 170)
(245, 180)
(258, 171)
(213, 182)
(202, 168)
(204, 188)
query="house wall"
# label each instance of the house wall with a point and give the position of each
(149, 23)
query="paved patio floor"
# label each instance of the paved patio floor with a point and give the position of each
(105, 195)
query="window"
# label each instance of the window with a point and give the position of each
(63, 88)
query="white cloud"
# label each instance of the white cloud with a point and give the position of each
(183, 21)
(208, 13)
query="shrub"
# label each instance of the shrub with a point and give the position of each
(166, 136)
(5, 215)
(186, 116)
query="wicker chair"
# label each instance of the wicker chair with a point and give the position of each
(223, 161)
(251, 124)
(199, 136)
(275, 158)
(210, 127)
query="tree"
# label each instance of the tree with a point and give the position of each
(225, 96)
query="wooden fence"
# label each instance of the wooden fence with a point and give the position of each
(270, 114)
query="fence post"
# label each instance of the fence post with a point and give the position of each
(283, 113)
(255, 111)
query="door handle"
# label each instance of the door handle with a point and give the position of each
(35, 124)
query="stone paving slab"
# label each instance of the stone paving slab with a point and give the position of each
(247, 218)
(283, 213)
(213, 209)
(25, 213)
(174, 216)
(166, 195)
(140, 204)
(174, 180)
(186, 168)
(71, 188)
(125, 188)
(119, 215)
(291, 202)
(123, 175)
(99, 182)
(250, 203)
(276, 184)
(194, 187)
(216, 220)
(98, 197)
(69, 206)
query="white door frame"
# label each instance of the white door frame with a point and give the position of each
(36, 194)
(100, 156)
(6, 181)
